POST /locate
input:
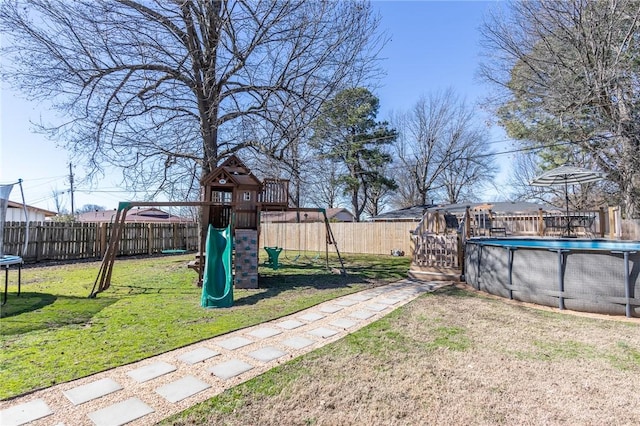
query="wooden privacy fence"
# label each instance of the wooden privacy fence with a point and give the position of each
(71, 241)
(351, 237)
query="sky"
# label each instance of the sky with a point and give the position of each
(434, 45)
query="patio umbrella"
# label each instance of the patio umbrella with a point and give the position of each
(565, 175)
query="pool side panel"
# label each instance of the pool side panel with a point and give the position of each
(494, 271)
(535, 275)
(594, 281)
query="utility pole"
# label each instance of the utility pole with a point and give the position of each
(71, 187)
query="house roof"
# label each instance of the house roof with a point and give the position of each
(144, 215)
(16, 205)
(291, 216)
(495, 206)
(415, 213)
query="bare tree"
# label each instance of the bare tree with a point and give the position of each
(86, 208)
(437, 149)
(468, 176)
(164, 89)
(526, 166)
(56, 195)
(568, 71)
(323, 183)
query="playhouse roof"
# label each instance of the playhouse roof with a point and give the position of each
(231, 171)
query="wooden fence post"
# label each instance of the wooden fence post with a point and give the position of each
(150, 239)
(467, 222)
(601, 223)
(39, 245)
(174, 238)
(612, 222)
(540, 223)
(103, 239)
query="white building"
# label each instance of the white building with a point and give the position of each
(15, 213)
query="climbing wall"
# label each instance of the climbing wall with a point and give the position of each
(246, 261)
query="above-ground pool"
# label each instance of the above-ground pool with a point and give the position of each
(600, 276)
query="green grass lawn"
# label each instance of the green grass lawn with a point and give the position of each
(53, 333)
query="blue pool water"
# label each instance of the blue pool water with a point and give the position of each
(600, 245)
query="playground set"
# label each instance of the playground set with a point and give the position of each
(232, 200)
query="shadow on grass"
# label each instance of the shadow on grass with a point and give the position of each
(273, 284)
(26, 302)
(29, 312)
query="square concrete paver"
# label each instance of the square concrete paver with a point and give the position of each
(363, 315)
(347, 302)
(84, 393)
(360, 297)
(264, 332)
(297, 342)
(181, 389)
(389, 301)
(234, 343)
(290, 324)
(120, 413)
(330, 309)
(376, 307)
(198, 355)
(311, 317)
(24, 413)
(267, 354)
(229, 369)
(151, 371)
(323, 332)
(343, 323)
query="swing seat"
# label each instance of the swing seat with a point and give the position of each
(274, 253)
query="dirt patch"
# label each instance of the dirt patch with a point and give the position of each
(453, 357)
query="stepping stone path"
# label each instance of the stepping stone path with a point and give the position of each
(198, 355)
(150, 390)
(84, 393)
(181, 389)
(150, 372)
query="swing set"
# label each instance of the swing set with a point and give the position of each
(233, 200)
(274, 251)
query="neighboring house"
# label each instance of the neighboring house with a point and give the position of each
(139, 215)
(495, 206)
(415, 213)
(407, 214)
(15, 213)
(292, 216)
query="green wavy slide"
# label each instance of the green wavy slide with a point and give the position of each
(217, 283)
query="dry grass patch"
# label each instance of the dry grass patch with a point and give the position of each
(453, 357)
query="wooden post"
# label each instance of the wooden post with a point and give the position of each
(612, 222)
(601, 222)
(150, 239)
(437, 220)
(540, 223)
(175, 237)
(467, 222)
(103, 239)
(39, 245)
